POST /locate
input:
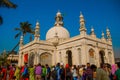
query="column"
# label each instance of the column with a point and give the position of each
(84, 54)
(106, 56)
(19, 60)
(97, 61)
(75, 56)
(38, 56)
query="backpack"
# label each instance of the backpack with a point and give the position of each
(54, 74)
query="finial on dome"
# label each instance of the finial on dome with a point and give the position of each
(37, 22)
(81, 15)
(59, 19)
(58, 13)
(92, 29)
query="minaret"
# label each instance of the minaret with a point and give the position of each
(58, 19)
(92, 32)
(37, 32)
(4, 53)
(82, 25)
(108, 35)
(21, 41)
(103, 36)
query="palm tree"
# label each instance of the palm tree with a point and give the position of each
(8, 4)
(25, 27)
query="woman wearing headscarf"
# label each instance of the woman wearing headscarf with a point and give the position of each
(68, 73)
(31, 73)
(17, 73)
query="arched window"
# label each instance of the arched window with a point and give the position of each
(91, 56)
(46, 58)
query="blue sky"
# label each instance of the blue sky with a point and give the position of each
(97, 13)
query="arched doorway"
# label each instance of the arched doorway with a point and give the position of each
(31, 59)
(101, 56)
(91, 56)
(69, 57)
(46, 58)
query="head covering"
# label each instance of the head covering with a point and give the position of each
(61, 63)
(67, 66)
(114, 68)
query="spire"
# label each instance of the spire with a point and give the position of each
(58, 19)
(103, 36)
(37, 31)
(92, 32)
(82, 24)
(108, 34)
(4, 53)
(21, 41)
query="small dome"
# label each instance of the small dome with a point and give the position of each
(61, 33)
(58, 14)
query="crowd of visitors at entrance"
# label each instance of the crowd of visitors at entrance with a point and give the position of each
(61, 72)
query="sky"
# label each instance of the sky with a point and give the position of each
(97, 13)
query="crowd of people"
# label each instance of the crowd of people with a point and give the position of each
(61, 72)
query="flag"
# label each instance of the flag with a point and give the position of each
(26, 58)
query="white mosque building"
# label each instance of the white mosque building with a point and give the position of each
(60, 47)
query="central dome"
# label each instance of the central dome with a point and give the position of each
(58, 29)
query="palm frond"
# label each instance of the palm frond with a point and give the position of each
(18, 29)
(7, 3)
(18, 34)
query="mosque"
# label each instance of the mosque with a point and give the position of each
(60, 47)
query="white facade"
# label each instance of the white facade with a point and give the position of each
(59, 47)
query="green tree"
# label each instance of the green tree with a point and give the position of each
(8, 4)
(25, 27)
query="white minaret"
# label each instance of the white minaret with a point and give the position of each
(82, 25)
(92, 32)
(37, 32)
(103, 36)
(108, 35)
(21, 41)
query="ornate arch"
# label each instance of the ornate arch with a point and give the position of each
(46, 58)
(91, 56)
(69, 57)
(101, 56)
